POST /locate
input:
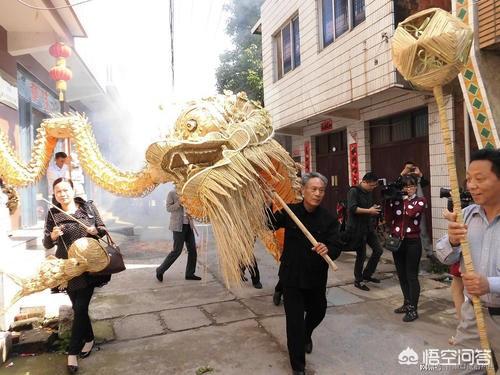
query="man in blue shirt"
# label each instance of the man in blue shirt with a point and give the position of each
(482, 228)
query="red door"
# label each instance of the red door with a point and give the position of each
(397, 140)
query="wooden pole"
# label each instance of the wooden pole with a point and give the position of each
(304, 230)
(455, 196)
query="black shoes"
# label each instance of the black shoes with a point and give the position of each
(402, 310)
(277, 298)
(159, 276)
(372, 279)
(309, 347)
(358, 285)
(72, 369)
(257, 285)
(294, 372)
(86, 354)
(411, 314)
(193, 277)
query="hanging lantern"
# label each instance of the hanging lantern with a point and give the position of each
(59, 49)
(60, 73)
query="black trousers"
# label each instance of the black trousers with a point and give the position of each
(372, 240)
(81, 330)
(254, 271)
(278, 287)
(186, 236)
(407, 261)
(298, 301)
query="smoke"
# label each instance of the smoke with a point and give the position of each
(130, 55)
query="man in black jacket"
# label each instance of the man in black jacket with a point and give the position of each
(303, 273)
(360, 227)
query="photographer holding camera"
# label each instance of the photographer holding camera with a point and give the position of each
(410, 169)
(404, 214)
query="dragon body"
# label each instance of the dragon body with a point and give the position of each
(221, 155)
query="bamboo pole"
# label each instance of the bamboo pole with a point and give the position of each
(464, 244)
(68, 215)
(304, 230)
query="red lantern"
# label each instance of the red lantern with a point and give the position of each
(59, 49)
(60, 73)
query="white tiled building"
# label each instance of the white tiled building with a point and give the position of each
(329, 82)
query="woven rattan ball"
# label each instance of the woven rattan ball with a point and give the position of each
(91, 250)
(431, 47)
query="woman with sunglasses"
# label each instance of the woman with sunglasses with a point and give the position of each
(62, 230)
(404, 215)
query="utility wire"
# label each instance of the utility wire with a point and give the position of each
(171, 17)
(53, 8)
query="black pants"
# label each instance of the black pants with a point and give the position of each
(278, 287)
(407, 261)
(297, 301)
(372, 240)
(254, 271)
(81, 330)
(187, 236)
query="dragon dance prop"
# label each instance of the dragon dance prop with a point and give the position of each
(430, 48)
(12, 198)
(84, 255)
(221, 156)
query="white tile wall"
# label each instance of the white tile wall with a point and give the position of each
(340, 73)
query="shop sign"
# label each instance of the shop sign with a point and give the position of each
(40, 98)
(326, 125)
(8, 94)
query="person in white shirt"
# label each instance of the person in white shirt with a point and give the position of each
(59, 169)
(77, 177)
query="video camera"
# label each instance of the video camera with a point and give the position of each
(465, 198)
(391, 191)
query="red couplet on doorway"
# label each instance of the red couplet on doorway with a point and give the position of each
(307, 156)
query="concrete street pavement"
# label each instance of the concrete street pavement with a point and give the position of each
(181, 327)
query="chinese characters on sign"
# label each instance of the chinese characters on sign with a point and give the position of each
(326, 125)
(32, 92)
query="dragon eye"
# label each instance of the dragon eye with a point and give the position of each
(191, 125)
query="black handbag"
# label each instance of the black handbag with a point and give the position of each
(392, 243)
(116, 263)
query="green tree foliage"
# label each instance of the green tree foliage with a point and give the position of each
(240, 69)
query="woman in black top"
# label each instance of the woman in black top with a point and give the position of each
(62, 231)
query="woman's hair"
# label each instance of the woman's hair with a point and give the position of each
(409, 180)
(62, 179)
